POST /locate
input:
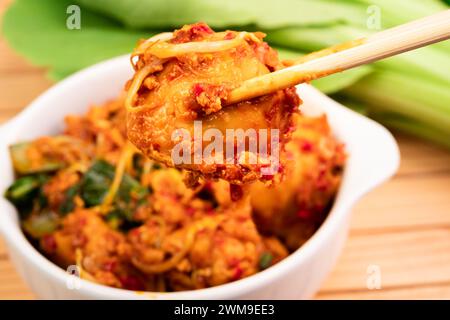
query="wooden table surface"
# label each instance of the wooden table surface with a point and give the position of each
(401, 229)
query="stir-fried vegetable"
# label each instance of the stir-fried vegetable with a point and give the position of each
(22, 163)
(42, 223)
(94, 186)
(147, 230)
(265, 260)
(25, 192)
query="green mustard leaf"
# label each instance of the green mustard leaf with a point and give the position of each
(38, 30)
(266, 14)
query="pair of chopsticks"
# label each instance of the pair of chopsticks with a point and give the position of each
(406, 37)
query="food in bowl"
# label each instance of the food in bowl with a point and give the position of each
(184, 78)
(142, 228)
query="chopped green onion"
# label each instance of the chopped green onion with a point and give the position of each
(265, 260)
(38, 225)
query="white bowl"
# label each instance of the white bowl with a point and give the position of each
(373, 158)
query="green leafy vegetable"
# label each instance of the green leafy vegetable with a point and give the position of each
(68, 205)
(265, 260)
(409, 96)
(96, 182)
(401, 11)
(22, 164)
(38, 30)
(223, 14)
(25, 191)
(114, 219)
(309, 39)
(95, 185)
(121, 219)
(416, 127)
(38, 225)
(26, 194)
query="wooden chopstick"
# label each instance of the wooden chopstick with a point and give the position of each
(381, 45)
